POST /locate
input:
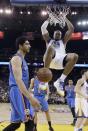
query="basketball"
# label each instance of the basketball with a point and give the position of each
(44, 74)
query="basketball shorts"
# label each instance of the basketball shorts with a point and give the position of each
(43, 103)
(57, 61)
(20, 106)
(81, 107)
(71, 102)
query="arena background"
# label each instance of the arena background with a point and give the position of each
(27, 20)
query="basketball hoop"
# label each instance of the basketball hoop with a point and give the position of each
(57, 14)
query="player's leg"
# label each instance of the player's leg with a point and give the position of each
(45, 108)
(18, 112)
(71, 104)
(82, 113)
(39, 98)
(85, 111)
(68, 62)
(79, 124)
(71, 60)
(49, 55)
(49, 120)
(86, 123)
(15, 117)
(12, 127)
(30, 113)
(35, 122)
(78, 111)
(73, 114)
(85, 120)
(29, 125)
(73, 110)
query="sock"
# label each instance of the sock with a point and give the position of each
(76, 129)
(63, 77)
(49, 123)
(12, 127)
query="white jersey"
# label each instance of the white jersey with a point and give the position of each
(84, 90)
(81, 103)
(58, 46)
(60, 53)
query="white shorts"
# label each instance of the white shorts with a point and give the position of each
(81, 107)
(57, 62)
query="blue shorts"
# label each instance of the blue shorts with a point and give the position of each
(43, 103)
(71, 102)
(19, 105)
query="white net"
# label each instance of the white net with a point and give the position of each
(57, 14)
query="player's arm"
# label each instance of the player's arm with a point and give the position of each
(48, 92)
(31, 84)
(17, 72)
(45, 32)
(69, 32)
(80, 82)
(48, 56)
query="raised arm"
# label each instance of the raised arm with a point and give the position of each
(17, 72)
(69, 31)
(45, 32)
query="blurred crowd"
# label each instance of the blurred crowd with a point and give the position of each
(4, 92)
(54, 98)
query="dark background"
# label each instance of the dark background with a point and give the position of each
(17, 24)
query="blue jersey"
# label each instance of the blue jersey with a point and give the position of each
(37, 90)
(25, 74)
(70, 91)
(40, 90)
(19, 102)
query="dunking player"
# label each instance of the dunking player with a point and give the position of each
(19, 84)
(81, 101)
(41, 92)
(55, 56)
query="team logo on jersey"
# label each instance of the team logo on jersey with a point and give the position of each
(56, 43)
